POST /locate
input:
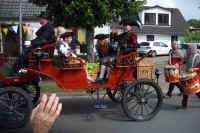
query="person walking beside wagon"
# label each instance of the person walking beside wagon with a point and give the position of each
(192, 65)
(175, 58)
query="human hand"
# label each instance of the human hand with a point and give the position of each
(45, 114)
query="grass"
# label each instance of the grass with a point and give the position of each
(56, 89)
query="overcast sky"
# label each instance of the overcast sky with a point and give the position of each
(189, 8)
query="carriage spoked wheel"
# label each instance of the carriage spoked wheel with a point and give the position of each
(116, 94)
(142, 100)
(15, 107)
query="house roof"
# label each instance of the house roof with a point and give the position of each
(178, 24)
(9, 10)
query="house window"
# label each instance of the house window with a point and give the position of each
(163, 19)
(150, 37)
(150, 18)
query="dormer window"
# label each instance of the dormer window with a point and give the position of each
(150, 19)
(163, 19)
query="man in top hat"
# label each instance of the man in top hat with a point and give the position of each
(45, 34)
(127, 40)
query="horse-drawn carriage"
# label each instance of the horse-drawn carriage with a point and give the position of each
(140, 99)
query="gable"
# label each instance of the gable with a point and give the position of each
(177, 22)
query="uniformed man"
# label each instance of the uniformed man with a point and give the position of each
(175, 58)
(45, 34)
(127, 40)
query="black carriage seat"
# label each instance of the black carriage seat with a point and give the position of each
(45, 52)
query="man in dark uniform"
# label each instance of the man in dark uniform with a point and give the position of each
(45, 34)
(127, 40)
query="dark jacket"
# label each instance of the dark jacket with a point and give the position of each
(102, 54)
(45, 35)
(127, 42)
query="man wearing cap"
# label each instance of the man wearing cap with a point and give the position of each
(45, 34)
(127, 40)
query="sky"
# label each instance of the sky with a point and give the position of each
(189, 8)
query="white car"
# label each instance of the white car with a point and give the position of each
(158, 48)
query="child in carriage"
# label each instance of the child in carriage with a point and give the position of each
(65, 49)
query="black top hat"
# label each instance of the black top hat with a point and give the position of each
(66, 34)
(101, 36)
(131, 22)
(44, 15)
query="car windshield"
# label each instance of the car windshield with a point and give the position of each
(144, 44)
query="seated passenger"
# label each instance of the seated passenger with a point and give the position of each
(45, 34)
(106, 55)
(66, 50)
(64, 45)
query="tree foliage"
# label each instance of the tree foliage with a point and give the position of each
(191, 36)
(89, 13)
(194, 23)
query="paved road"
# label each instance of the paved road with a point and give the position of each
(78, 116)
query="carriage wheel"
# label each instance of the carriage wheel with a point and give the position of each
(116, 97)
(15, 108)
(142, 100)
(34, 91)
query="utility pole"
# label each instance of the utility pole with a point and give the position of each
(20, 27)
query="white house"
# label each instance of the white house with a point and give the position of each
(161, 24)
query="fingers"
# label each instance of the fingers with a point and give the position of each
(54, 106)
(58, 109)
(50, 103)
(42, 103)
(35, 110)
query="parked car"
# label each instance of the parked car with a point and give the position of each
(183, 48)
(158, 48)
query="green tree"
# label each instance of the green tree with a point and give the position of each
(194, 23)
(89, 14)
(191, 36)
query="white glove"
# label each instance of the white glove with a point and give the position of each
(27, 43)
